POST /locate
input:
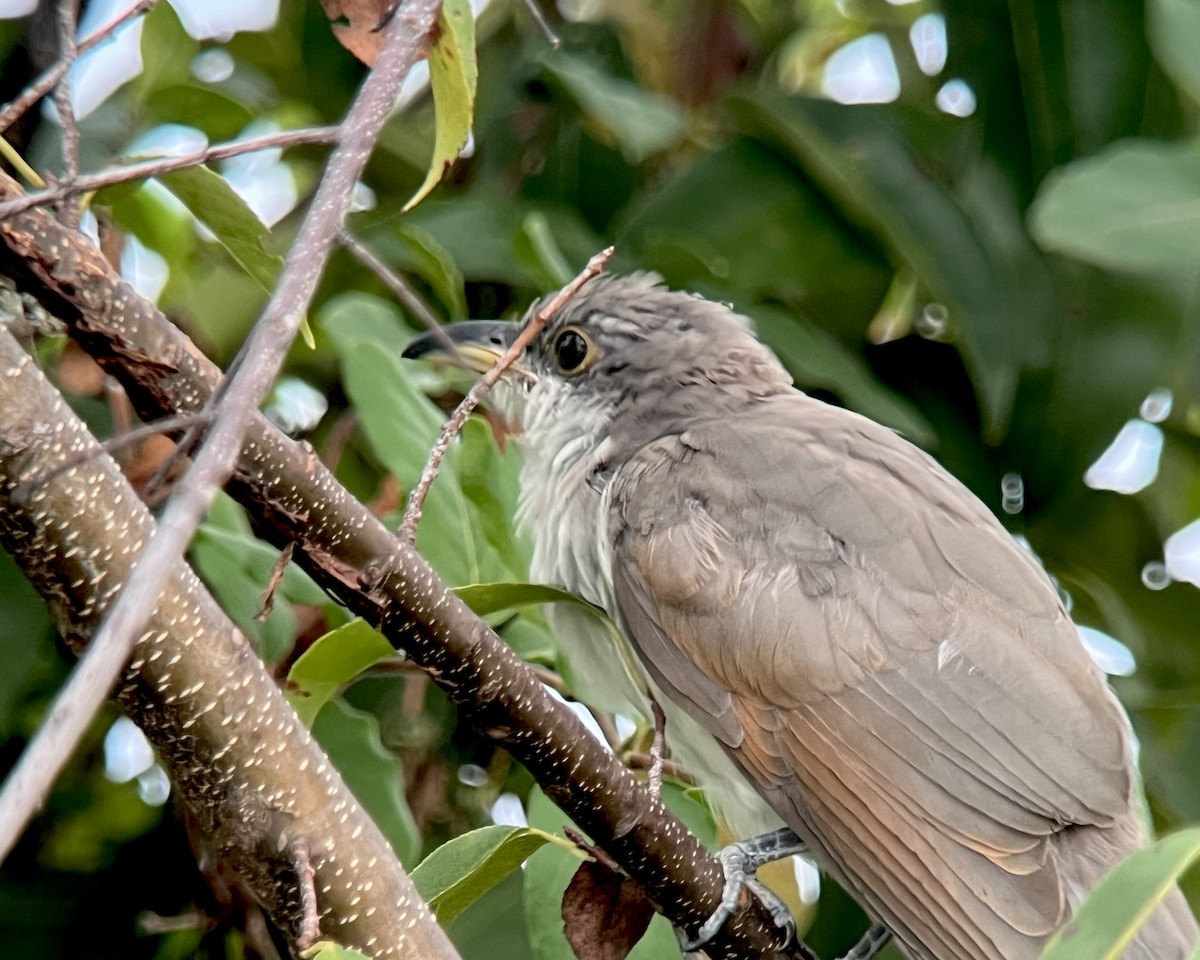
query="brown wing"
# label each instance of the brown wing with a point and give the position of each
(897, 675)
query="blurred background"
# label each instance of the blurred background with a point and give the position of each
(975, 221)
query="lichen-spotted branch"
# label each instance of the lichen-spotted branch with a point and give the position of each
(251, 775)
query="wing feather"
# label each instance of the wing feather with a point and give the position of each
(893, 671)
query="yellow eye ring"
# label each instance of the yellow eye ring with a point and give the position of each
(574, 351)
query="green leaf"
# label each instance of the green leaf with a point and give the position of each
(1173, 28)
(401, 426)
(1134, 206)
(453, 73)
(490, 480)
(462, 870)
(167, 50)
(333, 660)
(237, 567)
(357, 317)
(148, 210)
(820, 362)
(878, 180)
(494, 926)
(530, 639)
(327, 950)
(486, 598)
(351, 739)
(1114, 912)
(535, 244)
(479, 230)
(220, 116)
(400, 423)
(639, 122)
(740, 219)
(217, 205)
(435, 264)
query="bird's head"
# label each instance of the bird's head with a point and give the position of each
(625, 354)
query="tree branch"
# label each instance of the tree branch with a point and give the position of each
(257, 783)
(67, 10)
(251, 375)
(160, 165)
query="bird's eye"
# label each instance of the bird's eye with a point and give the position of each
(572, 351)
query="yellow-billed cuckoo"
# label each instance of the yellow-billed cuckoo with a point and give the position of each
(842, 636)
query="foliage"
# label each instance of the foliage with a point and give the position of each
(1005, 288)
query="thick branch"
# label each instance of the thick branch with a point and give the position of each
(253, 372)
(295, 499)
(253, 777)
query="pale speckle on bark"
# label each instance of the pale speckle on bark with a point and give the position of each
(234, 751)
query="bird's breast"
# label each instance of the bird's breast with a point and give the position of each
(566, 500)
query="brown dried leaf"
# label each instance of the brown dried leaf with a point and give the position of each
(604, 914)
(356, 24)
(78, 372)
(150, 455)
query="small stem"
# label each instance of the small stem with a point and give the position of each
(277, 572)
(416, 501)
(540, 19)
(161, 165)
(400, 288)
(167, 425)
(68, 212)
(310, 918)
(45, 83)
(600, 855)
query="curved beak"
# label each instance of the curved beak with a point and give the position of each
(473, 344)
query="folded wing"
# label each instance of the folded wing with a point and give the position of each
(894, 672)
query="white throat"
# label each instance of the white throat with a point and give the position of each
(565, 492)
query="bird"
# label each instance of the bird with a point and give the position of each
(849, 648)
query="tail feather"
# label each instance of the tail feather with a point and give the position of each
(1088, 853)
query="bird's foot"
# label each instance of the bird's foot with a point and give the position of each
(741, 861)
(872, 942)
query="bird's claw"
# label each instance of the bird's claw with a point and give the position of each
(740, 861)
(874, 940)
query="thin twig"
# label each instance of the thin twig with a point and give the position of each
(401, 289)
(550, 678)
(46, 82)
(150, 923)
(416, 500)
(277, 572)
(611, 735)
(310, 918)
(158, 487)
(643, 761)
(540, 19)
(68, 212)
(161, 165)
(599, 854)
(167, 425)
(259, 361)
